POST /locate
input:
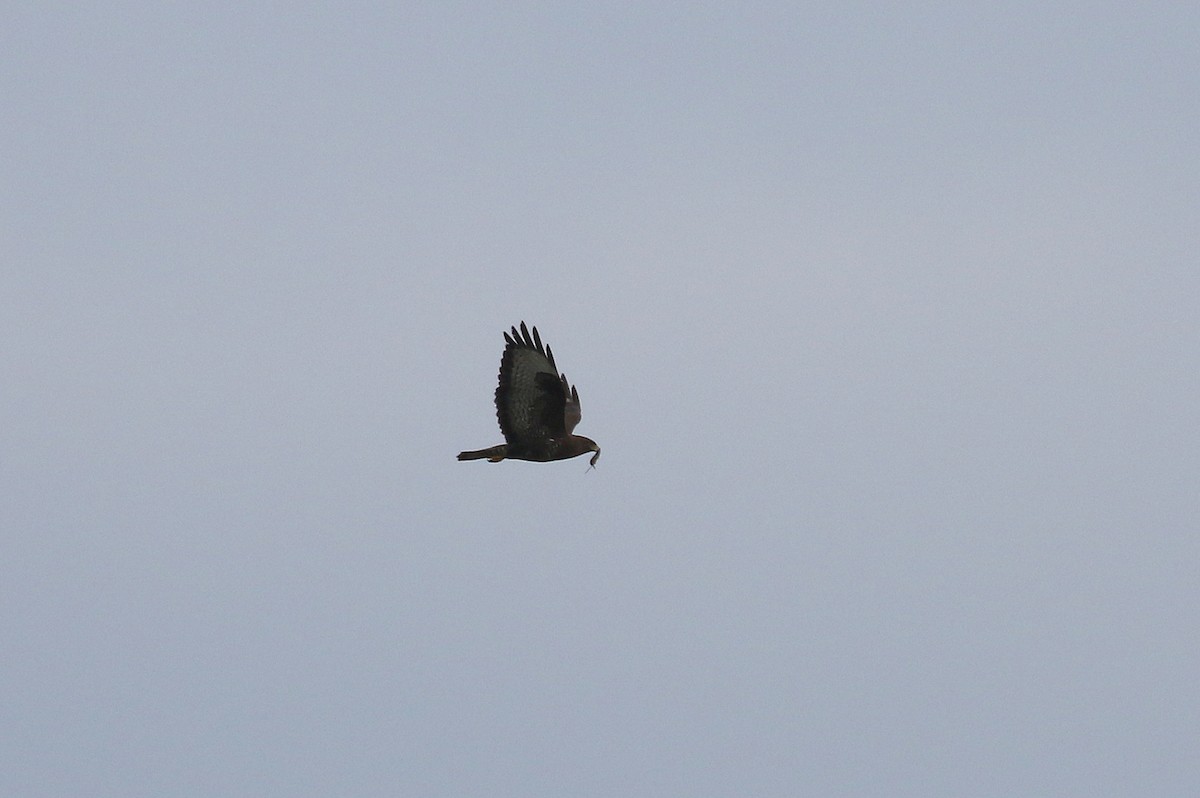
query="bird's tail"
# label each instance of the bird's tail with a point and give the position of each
(493, 453)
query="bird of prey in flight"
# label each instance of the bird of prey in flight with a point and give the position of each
(536, 407)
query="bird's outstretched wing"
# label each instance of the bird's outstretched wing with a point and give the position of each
(534, 402)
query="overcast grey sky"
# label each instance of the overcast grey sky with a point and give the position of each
(886, 318)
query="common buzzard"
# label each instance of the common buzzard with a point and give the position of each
(536, 406)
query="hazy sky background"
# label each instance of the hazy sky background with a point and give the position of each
(886, 319)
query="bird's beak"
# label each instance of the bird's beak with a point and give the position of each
(595, 457)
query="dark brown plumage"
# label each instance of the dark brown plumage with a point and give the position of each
(536, 407)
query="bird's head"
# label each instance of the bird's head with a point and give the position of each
(592, 446)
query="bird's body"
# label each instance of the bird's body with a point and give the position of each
(536, 407)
